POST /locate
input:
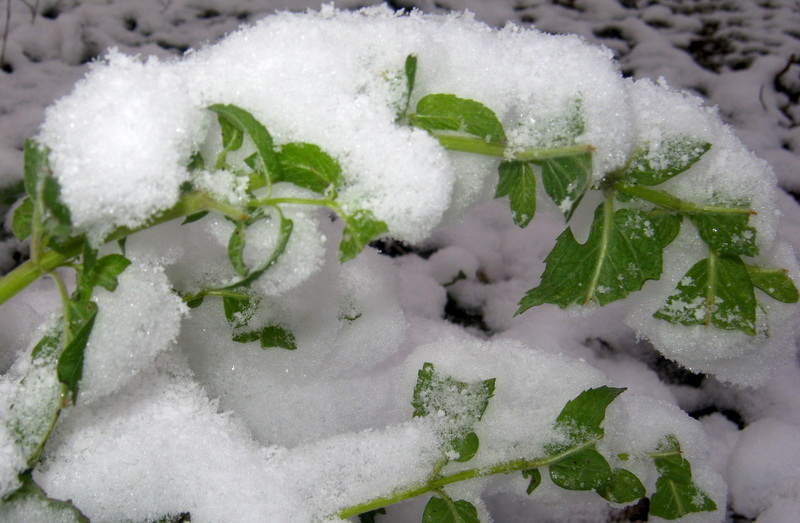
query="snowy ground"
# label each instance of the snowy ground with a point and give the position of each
(742, 56)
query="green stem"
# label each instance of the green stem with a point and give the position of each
(437, 482)
(470, 144)
(28, 272)
(274, 202)
(668, 201)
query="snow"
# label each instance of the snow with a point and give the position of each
(174, 416)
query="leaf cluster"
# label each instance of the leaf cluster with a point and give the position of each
(572, 459)
(631, 227)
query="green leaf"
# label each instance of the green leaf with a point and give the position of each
(196, 162)
(519, 184)
(236, 248)
(727, 233)
(38, 397)
(194, 217)
(624, 249)
(446, 112)
(284, 233)
(623, 487)
(107, 269)
(535, 478)
(236, 117)
(566, 180)
(232, 136)
(61, 224)
(70, 364)
(716, 290)
(439, 510)
(239, 309)
(411, 77)
(247, 337)
(435, 393)
(775, 282)
(460, 405)
(586, 412)
(277, 336)
(308, 166)
(30, 499)
(581, 418)
(371, 516)
(22, 220)
(676, 494)
(466, 447)
(585, 469)
(195, 303)
(657, 162)
(360, 228)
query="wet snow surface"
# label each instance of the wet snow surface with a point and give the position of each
(175, 417)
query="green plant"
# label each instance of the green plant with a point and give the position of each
(632, 226)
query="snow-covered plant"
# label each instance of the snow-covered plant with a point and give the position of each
(194, 202)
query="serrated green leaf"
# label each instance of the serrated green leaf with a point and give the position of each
(435, 393)
(22, 220)
(70, 364)
(29, 499)
(466, 447)
(623, 487)
(775, 282)
(277, 336)
(585, 469)
(657, 162)
(727, 233)
(236, 244)
(239, 309)
(535, 478)
(438, 510)
(519, 184)
(581, 417)
(566, 180)
(715, 291)
(446, 112)
(360, 228)
(624, 249)
(308, 166)
(676, 494)
(107, 269)
(460, 405)
(371, 516)
(266, 160)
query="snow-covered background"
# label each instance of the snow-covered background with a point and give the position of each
(742, 56)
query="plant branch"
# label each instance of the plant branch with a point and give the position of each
(437, 482)
(470, 144)
(28, 272)
(673, 203)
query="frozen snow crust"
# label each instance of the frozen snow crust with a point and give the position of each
(305, 433)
